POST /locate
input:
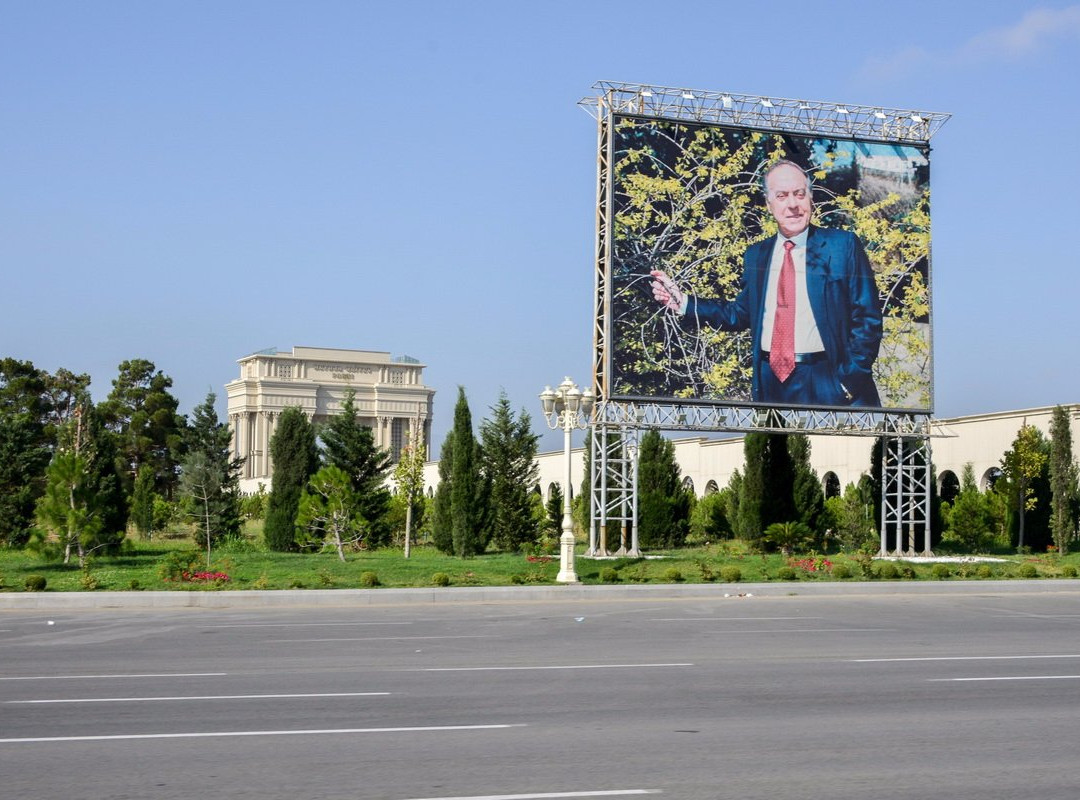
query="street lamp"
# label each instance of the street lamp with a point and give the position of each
(566, 407)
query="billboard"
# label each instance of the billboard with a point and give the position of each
(704, 305)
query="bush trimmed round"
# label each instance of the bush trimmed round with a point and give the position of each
(1068, 571)
(888, 571)
(35, 583)
(730, 574)
(369, 580)
(609, 575)
(1027, 571)
(673, 575)
(940, 571)
(440, 579)
(984, 571)
(787, 574)
(841, 572)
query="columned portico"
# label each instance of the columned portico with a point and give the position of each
(390, 398)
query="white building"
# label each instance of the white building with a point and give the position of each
(707, 464)
(390, 398)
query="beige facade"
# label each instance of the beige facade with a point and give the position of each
(391, 399)
(707, 464)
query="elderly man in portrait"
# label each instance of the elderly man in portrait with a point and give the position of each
(808, 297)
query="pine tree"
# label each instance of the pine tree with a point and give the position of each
(24, 448)
(329, 511)
(350, 446)
(509, 465)
(663, 503)
(141, 413)
(296, 458)
(210, 479)
(467, 488)
(82, 509)
(1062, 480)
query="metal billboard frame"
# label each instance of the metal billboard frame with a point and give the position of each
(615, 422)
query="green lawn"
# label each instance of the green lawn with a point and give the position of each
(248, 566)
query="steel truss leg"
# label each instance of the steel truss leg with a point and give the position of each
(905, 495)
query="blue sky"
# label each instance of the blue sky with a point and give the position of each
(190, 182)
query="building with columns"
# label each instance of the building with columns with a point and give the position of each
(390, 398)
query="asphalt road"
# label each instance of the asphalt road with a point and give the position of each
(886, 696)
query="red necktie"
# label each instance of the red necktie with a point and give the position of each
(782, 349)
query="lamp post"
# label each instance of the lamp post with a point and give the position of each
(566, 407)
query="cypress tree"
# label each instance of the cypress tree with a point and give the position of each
(296, 458)
(663, 503)
(442, 522)
(808, 499)
(752, 488)
(1063, 489)
(467, 489)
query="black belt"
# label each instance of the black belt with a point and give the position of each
(802, 358)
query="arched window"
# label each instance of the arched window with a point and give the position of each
(688, 484)
(989, 478)
(830, 485)
(948, 486)
(711, 488)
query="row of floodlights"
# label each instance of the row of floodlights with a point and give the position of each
(767, 103)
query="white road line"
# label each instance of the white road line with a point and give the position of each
(374, 639)
(806, 630)
(225, 734)
(194, 697)
(111, 677)
(1007, 678)
(546, 795)
(954, 658)
(568, 666)
(300, 624)
(729, 619)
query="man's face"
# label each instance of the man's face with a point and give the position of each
(788, 198)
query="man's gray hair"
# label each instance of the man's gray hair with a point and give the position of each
(783, 162)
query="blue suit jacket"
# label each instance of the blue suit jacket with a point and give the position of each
(843, 297)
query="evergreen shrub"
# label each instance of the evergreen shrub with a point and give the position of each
(841, 572)
(730, 574)
(940, 571)
(440, 579)
(369, 580)
(1027, 571)
(35, 583)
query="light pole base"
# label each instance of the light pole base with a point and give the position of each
(566, 559)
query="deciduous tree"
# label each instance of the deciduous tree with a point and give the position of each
(1020, 466)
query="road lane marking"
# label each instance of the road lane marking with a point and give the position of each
(375, 639)
(730, 619)
(954, 658)
(195, 697)
(226, 734)
(1007, 678)
(546, 795)
(566, 666)
(299, 624)
(111, 677)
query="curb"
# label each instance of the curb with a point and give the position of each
(353, 598)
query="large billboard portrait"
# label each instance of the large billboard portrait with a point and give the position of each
(760, 268)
